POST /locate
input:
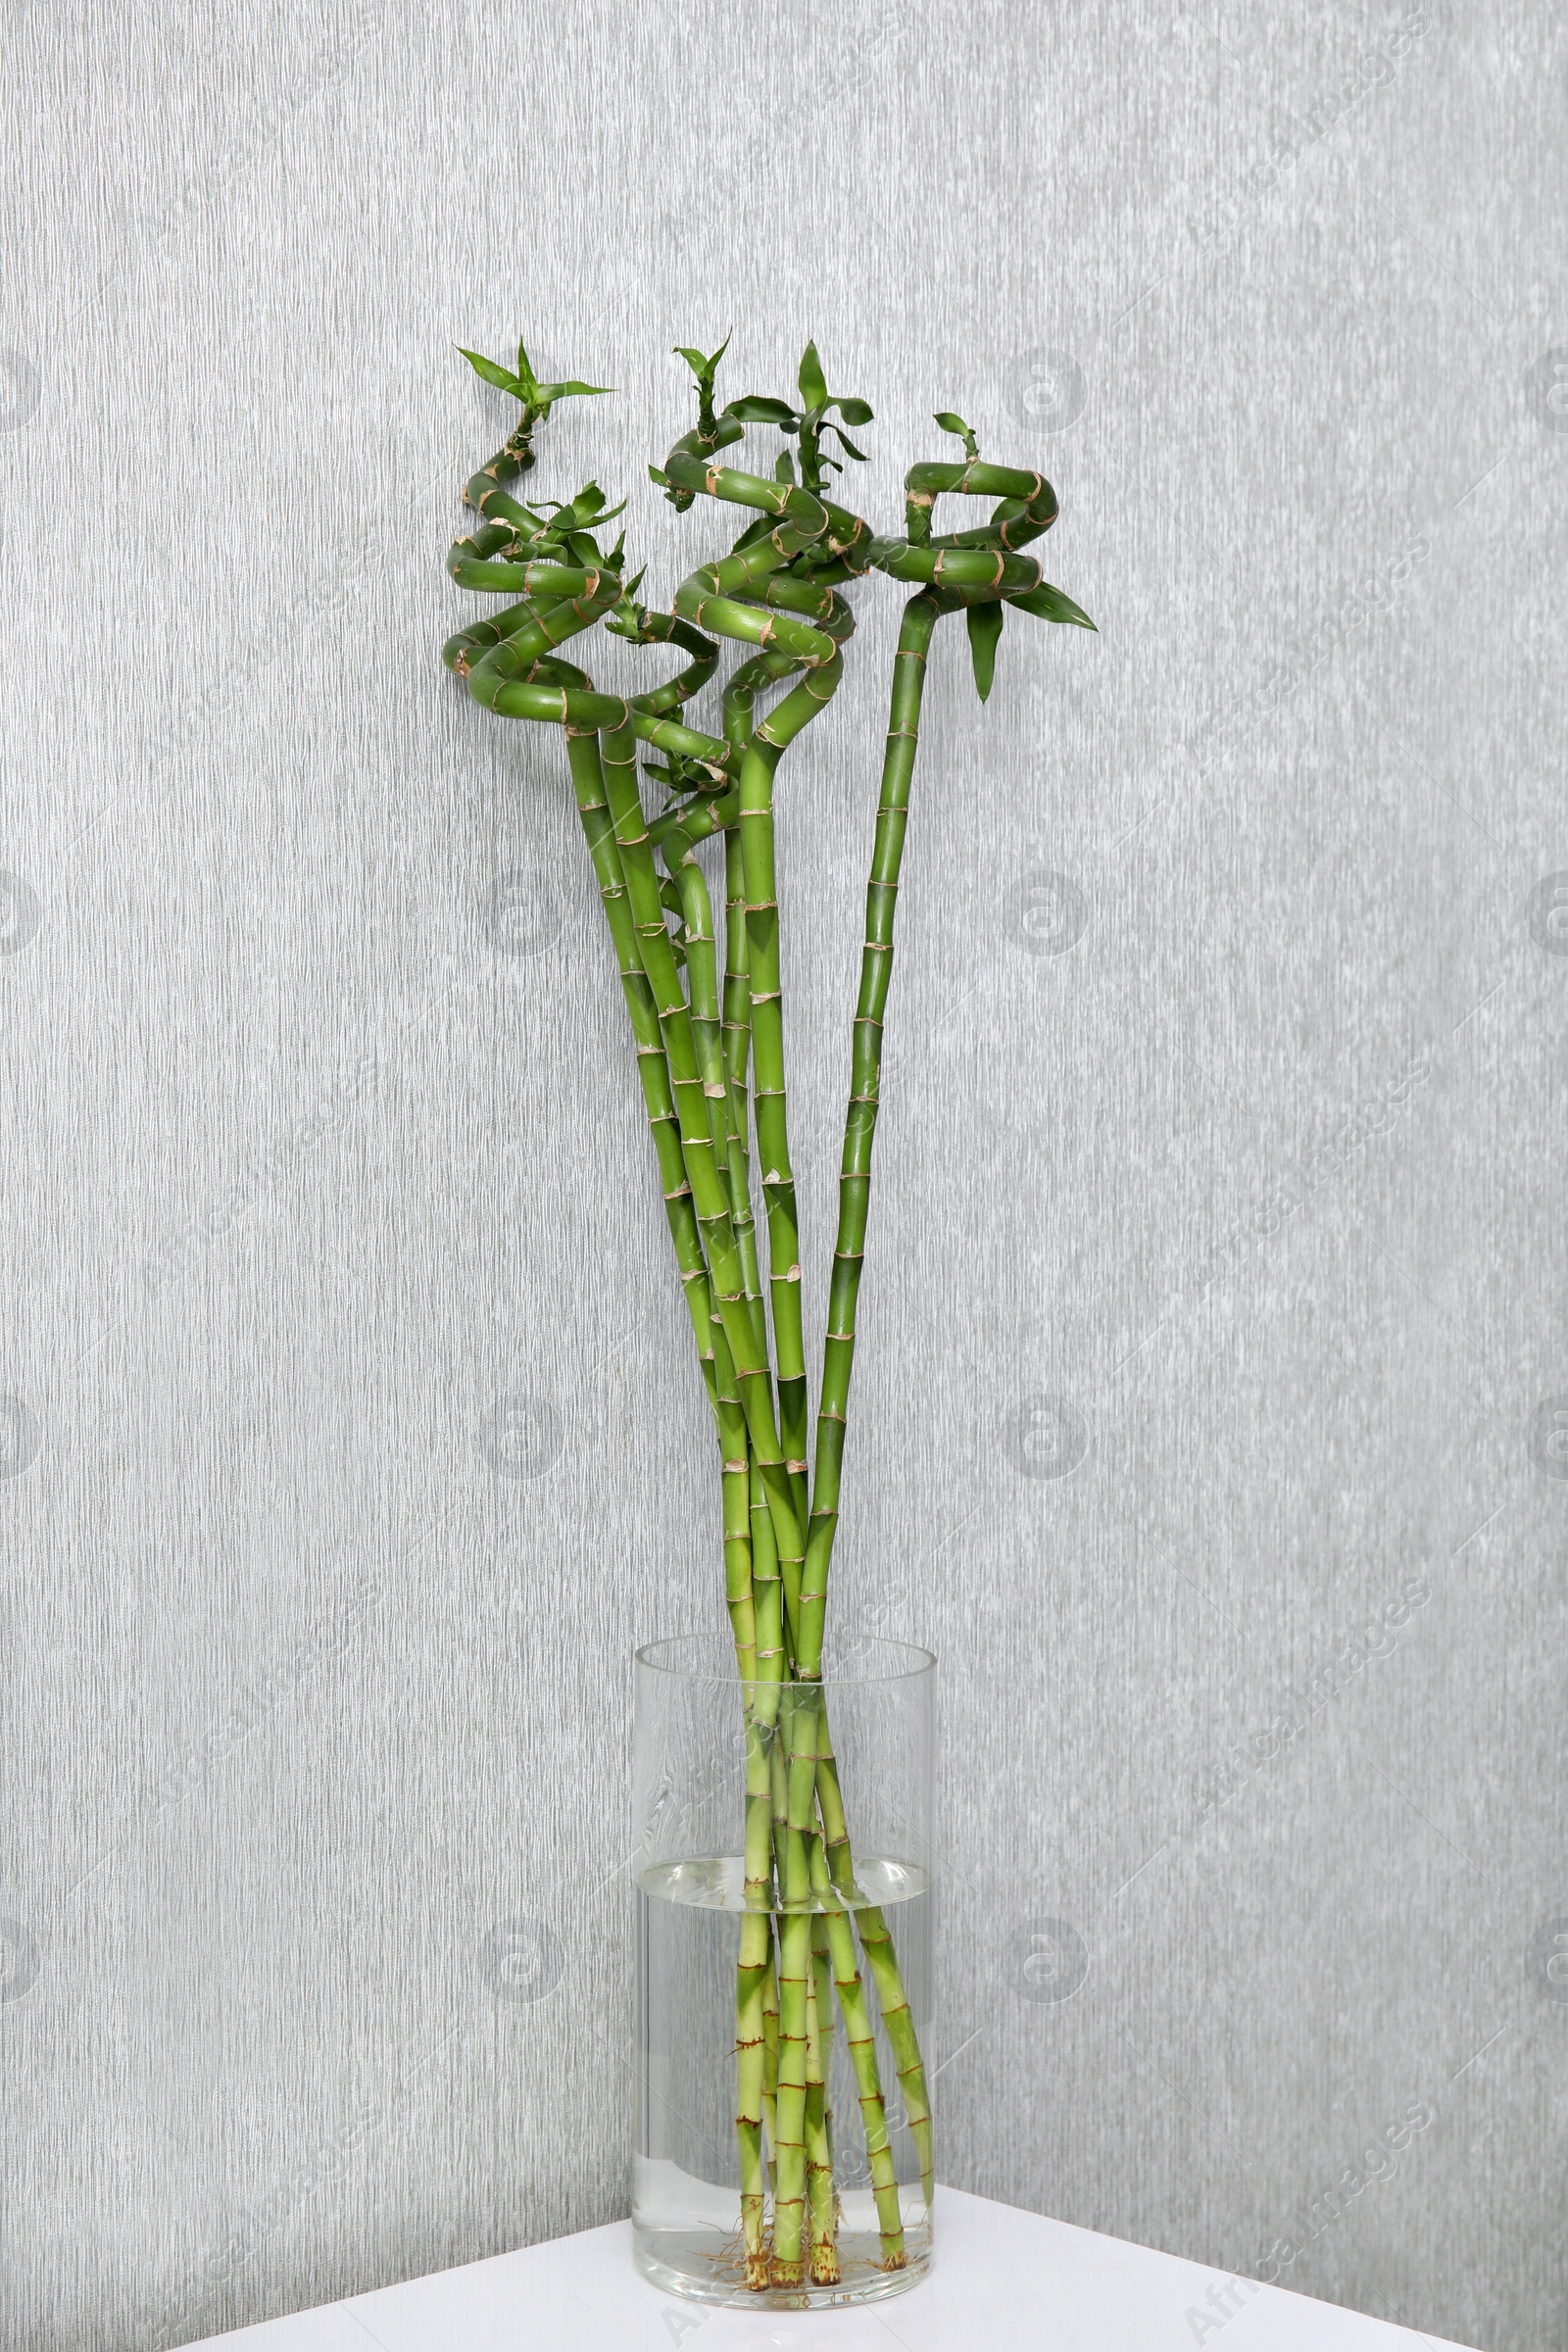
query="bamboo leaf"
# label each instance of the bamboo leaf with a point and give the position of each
(985, 628)
(812, 382)
(755, 409)
(954, 423)
(494, 373)
(703, 364)
(845, 443)
(853, 411)
(524, 365)
(546, 393)
(784, 466)
(1050, 603)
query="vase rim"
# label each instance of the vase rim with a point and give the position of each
(709, 1658)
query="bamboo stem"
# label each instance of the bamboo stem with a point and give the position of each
(753, 1971)
(862, 2041)
(823, 2261)
(920, 616)
(710, 1193)
(770, 2060)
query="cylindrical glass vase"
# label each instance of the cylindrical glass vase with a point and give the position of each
(783, 1853)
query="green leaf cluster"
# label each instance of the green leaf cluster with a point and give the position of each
(521, 383)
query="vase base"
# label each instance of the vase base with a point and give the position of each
(704, 2266)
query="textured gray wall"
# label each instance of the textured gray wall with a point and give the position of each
(1219, 1305)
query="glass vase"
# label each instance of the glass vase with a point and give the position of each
(783, 1854)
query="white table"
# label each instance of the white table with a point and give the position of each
(1001, 2281)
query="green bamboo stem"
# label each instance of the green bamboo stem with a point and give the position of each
(898, 2023)
(737, 1035)
(767, 1593)
(711, 598)
(771, 2061)
(795, 1989)
(755, 1965)
(708, 1191)
(752, 1974)
(736, 1491)
(676, 835)
(764, 994)
(1029, 503)
(823, 2261)
(876, 1940)
(969, 574)
(920, 616)
(860, 2038)
(587, 775)
(789, 2196)
(822, 2193)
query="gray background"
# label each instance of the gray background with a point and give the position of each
(353, 1435)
